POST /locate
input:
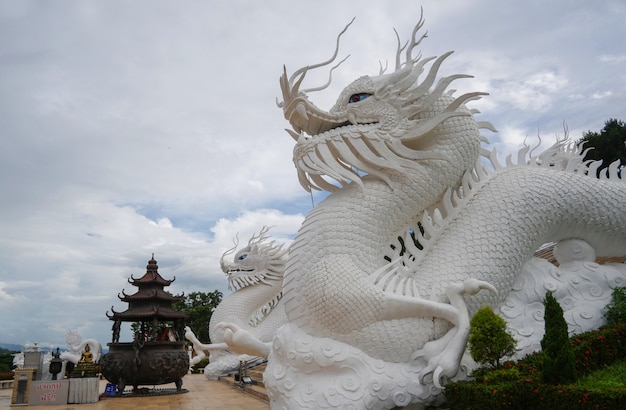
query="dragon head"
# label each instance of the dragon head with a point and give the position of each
(379, 123)
(261, 261)
(73, 340)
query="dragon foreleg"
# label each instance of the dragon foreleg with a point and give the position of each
(242, 341)
(201, 348)
(444, 354)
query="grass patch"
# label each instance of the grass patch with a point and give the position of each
(612, 376)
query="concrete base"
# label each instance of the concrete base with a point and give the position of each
(84, 390)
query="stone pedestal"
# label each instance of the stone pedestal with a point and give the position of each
(48, 392)
(34, 360)
(84, 390)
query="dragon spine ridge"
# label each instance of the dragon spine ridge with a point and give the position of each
(413, 245)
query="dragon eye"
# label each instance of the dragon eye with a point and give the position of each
(242, 257)
(358, 97)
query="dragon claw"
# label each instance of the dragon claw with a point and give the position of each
(473, 286)
(437, 373)
(443, 355)
(437, 377)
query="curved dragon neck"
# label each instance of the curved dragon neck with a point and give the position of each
(244, 305)
(379, 210)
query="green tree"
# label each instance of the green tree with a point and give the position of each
(6, 360)
(559, 362)
(609, 144)
(201, 306)
(489, 339)
(615, 311)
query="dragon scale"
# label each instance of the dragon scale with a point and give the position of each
(564, 205)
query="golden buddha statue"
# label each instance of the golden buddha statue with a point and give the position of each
(85, 366)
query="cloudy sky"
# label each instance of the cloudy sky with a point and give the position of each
(150, 126)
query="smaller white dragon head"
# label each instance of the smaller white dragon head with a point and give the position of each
(260, 262)
(73, 340)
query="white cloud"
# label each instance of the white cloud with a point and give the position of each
(612, 58)
(535, 92)
(603, 94)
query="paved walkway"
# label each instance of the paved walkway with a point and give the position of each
(203, 394)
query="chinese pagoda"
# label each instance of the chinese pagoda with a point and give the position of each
(157, 354)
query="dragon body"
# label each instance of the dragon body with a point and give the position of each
(369, 326)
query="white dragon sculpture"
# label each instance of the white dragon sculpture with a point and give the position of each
(76, 347)
(365, 332)
(255, 276)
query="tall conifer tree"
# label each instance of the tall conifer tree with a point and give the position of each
(559, 362)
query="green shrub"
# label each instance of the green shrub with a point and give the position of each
(615, 311)
(510, 374)
(489, 341)
(596, 349)
(593, 350)
(559, 363)
(532, 395)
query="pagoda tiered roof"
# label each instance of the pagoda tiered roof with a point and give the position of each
(153, 293)
(151, 276)
(151, 301)
(146, 313)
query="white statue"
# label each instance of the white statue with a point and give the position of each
(76, 347)
(255, 276)
(18, 358)
(375, 327)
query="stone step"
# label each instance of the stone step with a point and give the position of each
(257, 389)
(256, 373)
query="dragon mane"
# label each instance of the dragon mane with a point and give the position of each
(272, 257)
(343, 148)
